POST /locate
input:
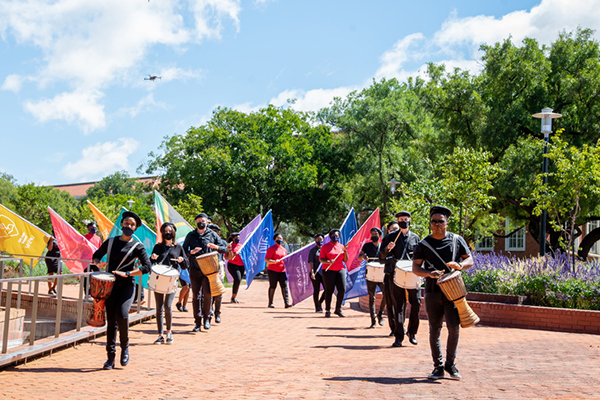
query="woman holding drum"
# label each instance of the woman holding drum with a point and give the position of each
(441, 252)
(235, 265)
(333, 256)
(122, 253)
(375, 274)
(276, 271)
(167, 253)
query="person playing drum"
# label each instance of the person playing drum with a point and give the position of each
(400, 245)
(435, 255)
(167, 252)
(370, 252)
(122, 253)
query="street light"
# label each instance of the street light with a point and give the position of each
(130, 202)
(393, 184)
(546, 116)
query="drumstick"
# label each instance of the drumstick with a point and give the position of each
(174, 259)
(336, 257)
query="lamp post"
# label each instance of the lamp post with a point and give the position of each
(546, 116)
(393, 184)
(130, 202)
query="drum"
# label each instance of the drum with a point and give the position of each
(101, 285)
(453, 287)
(163, 279)
(209, 265)
(404, 277)
(375, 271)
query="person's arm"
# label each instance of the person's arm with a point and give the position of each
(418, 270)
(101, 252)
(466, 258)
(383, 249)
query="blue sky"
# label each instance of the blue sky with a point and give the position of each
(75, 105)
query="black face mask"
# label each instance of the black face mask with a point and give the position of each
(127, 231)
(201, 225)
(168, 235)
(404, 224)
(374, 238)
(236, 240)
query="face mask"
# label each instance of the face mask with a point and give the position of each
(404, 224)
(127, 231)
(168, 235)
(320, 243)
(236, 240)
(335, 239)
(201, 225)
(374, 238)
(93, 231)
(279, 241)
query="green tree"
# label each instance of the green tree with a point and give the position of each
(8, 191)
(117, 183)
(33, 205)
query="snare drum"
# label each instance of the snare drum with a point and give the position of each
(404, 277)
(163, 279)
(375, 271)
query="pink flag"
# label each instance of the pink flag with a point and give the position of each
(361, 237)
(71, 244)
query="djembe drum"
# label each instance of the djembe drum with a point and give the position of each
(454, 289)
(209, 265)
(101, 285)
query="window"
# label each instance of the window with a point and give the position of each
(590, 227)
(516, 241)
(485, 244)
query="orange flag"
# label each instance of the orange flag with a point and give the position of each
(102, 220)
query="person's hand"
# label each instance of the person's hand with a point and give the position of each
(312, 275)
(436, 274)
(454, 265)
(391, 245)
(101, 264)
(153, 256)
(179, 259)
(120, 273)
(195, 250)
(212, 246)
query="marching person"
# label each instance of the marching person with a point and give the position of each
(218, 300)
(276, 271)
(91, 236)
(333, 255)
(370, 251)
(52, 262)
(400, 245)
(439, 253)
(388, 278)
(315, 274)
(122, 253)
(235, 265)
(167, 252)
(200, 241)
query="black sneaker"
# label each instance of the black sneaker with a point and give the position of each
(196, 328)
(170, 338)
(160, 340)
(454, 374)
(179, 308)
(438, 373)
(184, 309)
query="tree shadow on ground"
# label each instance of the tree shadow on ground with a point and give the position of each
(351, 347)
(384, 380)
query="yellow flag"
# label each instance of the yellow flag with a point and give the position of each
(102, 220)
(19, 236)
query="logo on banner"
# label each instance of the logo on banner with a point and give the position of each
(262, 247)
(7, 227)
(301, 279)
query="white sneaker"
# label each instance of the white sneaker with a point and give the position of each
(170, 338)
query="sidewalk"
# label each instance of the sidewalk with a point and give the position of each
(262, 353)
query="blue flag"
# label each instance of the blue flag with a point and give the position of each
(356, 282)
(254, 250)
(349, 227)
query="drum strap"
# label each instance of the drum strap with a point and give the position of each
(127, 255)
(436, 253)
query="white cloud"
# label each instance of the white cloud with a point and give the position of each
(174, 73)
(90, 45)
(105, 157)
(146, 103)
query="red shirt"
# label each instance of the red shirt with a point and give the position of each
(276, 252)
(93, 239)
(330, 251)
(237, 260)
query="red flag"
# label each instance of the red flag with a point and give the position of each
(358, 240)
(71, 243)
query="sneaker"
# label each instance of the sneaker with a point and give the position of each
(179, 307)
(454, 374)
(218, 319)
(438, 373)
(196, 328)
(234, 300)
(327, 314)
(170, 338)
(160, 340)
(184, 309)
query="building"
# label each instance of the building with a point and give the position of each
(78, 190)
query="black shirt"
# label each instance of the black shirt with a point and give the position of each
(118, 251)
(166, 253)
(194, 239)
(389, 258)
(444, 248)
(371, 250)
(313, 257)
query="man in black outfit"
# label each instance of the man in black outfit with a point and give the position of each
(316, 277)
(370, 251)
(200, 241)
(435, 255)
(400, 245)
(388, 279)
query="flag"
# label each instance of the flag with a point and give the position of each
(347, 230)
(254, 250)
(142, 234)
(244, 235)
(166, 213)
(19, 236)
(71, 243)
(297, 269)
(104, 223)
(356, 284)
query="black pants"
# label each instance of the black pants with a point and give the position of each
(117, 315)
(163, 306)
(237, 272)
(281, 278)
(334, 280)
(317, 282)
(388, 284)
(439, 308)
(216, 305)
(414, 299)
(201, 300)
(372, 289)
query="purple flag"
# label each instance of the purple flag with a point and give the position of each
(244, 235)
(297, 269)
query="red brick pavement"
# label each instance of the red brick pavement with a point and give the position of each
(258, 352)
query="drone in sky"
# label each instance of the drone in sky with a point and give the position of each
(152, 78)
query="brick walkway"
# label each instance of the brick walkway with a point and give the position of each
(258, 352)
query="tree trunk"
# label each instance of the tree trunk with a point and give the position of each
(587, 243)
